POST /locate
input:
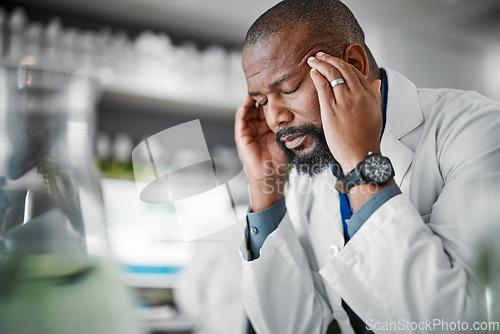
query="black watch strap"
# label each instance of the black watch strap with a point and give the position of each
(353, 178)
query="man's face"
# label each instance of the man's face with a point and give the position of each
(278, 78)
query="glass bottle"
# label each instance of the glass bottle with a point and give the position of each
(56, 275)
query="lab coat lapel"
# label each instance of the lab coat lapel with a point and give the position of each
(400, 155)
(404, 114)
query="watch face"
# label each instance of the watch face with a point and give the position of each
(377, 168)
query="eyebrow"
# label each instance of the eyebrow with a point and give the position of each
(276, 83)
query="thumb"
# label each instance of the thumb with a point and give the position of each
(376, 84)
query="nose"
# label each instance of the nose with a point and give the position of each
(277, 114)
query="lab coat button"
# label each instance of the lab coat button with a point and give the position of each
(339, 315)
(254, 230)
(333, 250)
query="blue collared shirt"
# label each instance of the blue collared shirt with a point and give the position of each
(261, 224)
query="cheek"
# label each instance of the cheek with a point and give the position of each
(312, 110)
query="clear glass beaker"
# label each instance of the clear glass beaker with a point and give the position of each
(56, 275)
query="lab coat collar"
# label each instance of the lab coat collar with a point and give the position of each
(404, 114)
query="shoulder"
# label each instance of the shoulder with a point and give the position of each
(451, 112)
(462, 126)
(454, 101)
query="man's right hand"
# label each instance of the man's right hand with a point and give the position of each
(264, 162)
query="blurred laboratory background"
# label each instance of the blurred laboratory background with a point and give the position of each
(143, 66)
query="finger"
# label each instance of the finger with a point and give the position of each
(244, 114)
(362, 79)
(246, 104)
(328, 71)
(326, 96)
(246, 110)
(344, 69)
(239, 121)
(260, 113)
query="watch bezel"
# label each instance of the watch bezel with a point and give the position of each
(358, 176)
(364, 166)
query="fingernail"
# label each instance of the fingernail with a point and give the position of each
(310, 59)
(320, 54)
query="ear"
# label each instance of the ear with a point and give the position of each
(355, 55)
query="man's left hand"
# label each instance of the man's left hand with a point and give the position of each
(350, 112)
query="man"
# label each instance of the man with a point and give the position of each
(406, 258)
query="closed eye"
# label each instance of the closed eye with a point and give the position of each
(292, 91)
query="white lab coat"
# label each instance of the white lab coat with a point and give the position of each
(414, 259)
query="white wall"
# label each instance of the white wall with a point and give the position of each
(434, 61)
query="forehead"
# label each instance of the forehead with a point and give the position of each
(277, 55)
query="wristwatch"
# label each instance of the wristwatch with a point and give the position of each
(375, 169)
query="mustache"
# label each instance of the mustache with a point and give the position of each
(310, 129)
(315, 162)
